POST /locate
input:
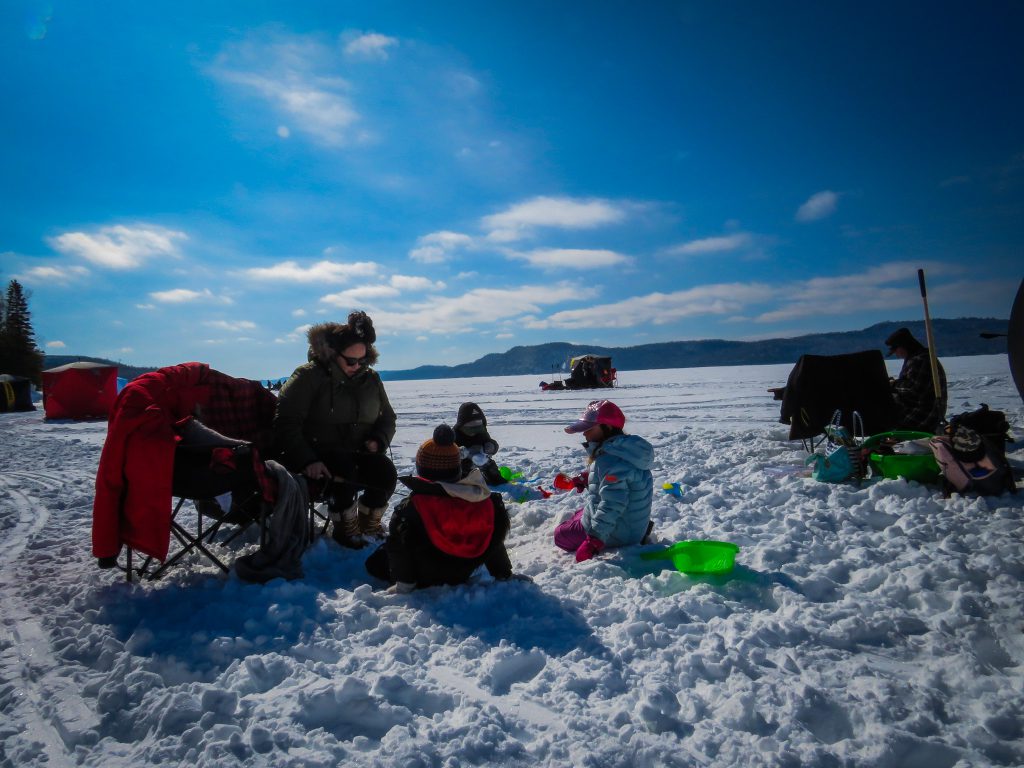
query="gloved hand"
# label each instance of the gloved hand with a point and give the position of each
(565, 483)
(562, 482)
(591, 546)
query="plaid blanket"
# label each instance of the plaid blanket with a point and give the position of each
(239, 408)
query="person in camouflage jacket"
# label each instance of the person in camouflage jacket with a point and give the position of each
(913, 391)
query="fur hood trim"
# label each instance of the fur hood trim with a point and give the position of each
(324, 339)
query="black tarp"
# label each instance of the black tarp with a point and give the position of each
(15, 394)
(819, 385)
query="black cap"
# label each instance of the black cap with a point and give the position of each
(471, 416)
(901, 338)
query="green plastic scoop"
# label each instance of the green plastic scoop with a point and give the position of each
(698, 556)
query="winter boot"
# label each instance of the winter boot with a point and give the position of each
(346, 527)
(369, 521)
(647, 533)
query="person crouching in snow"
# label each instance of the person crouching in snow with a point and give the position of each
(476, 444)
(447, 526)
(617, 512)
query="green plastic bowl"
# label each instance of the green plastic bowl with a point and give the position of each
(920, 467)
(698, 556)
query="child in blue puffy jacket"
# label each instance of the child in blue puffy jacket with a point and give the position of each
(617, 512)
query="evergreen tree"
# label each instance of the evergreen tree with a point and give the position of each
(19, 353)
(4, 346)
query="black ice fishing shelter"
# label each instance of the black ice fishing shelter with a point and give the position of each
(15, 394)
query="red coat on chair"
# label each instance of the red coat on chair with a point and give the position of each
(133, 482)
(134, 479)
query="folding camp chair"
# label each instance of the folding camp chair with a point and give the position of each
(202, 473)
(178, 434)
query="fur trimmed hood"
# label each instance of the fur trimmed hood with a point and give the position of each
(327, 340)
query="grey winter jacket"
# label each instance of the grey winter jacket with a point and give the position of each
(621, 487)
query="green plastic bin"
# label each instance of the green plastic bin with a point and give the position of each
(698, 556)
(920, 467)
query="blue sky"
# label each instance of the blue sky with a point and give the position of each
(202, 181)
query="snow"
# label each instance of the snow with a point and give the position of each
(874, 625)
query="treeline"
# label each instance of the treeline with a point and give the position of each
(19, 355)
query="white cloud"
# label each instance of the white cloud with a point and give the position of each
(660, 308)
(370, 46)
(61, 275)
(519, 220)
(320, 272)
(55, 345)
(299, 313)
(120, 247)
(181, 296)
(296, 335)
(481, 306)
(294, 76)
(877, 292)
(556, 258)
(818, 206)
(233, 326)
(504, 336)
(126, 350)
(359, 295)
(415, 283)
(145, 306)
(438, 247)
(722, 244)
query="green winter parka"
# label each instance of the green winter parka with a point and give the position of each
(321, 411)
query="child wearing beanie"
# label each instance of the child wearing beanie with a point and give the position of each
(476, 444)
(447, 527)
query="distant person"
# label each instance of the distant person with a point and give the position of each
(617, 512)
(334, 424)
(476, 445)
(447, 527)
(917, 408)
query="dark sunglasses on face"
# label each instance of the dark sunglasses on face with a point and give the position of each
(353, 360)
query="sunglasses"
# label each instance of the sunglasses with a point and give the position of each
(353, 360)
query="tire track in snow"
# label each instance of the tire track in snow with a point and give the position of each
(32, 517)
(48, 481)
(47, 704)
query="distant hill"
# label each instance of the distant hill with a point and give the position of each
(955, 338)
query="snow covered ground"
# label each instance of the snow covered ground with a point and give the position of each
(872, 625)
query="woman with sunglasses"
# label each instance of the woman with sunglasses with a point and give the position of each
(334, 424)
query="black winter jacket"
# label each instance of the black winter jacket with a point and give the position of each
(321, 411)
(413, 558)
